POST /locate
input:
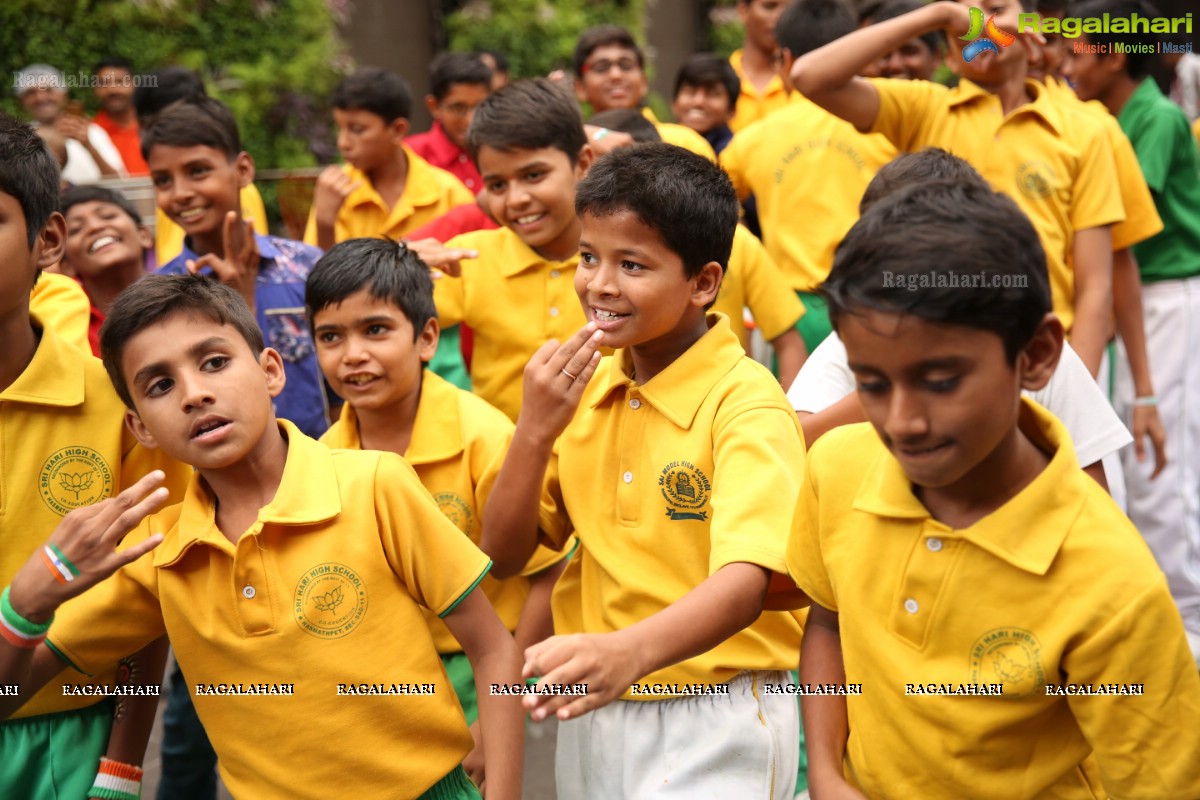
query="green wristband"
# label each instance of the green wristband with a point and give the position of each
(63, 558)
(19, 623)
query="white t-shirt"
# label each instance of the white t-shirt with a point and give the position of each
(81, 168)
(1071, 394)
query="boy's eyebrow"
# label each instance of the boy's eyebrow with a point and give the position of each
(623, 251)
(329, 326)
(195, 351)
(946, 362)
(487, 176)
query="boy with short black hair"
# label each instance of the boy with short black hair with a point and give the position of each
(705, 98)
(458, 82)
(117, 116)
(679, 415)
(289, 569)
(932, 531)
(762, 91)
(918, 58)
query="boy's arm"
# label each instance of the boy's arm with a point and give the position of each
(134, 718)
(846, 411)
(536, 623)
(825, 723)
(554, 382)
(609, 663)
(1093, 264)
(790, 350)
(1127, 303)
(496, 660)
(238, 266)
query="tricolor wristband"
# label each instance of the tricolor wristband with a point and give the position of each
(62, 569)
(18, 631)
(1149, 401)
(117, 780)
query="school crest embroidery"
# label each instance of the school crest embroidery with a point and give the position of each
(1011, 656)
(74, 477)
(455, 509)
(330, 601)
(686, 490)
(1036, 180)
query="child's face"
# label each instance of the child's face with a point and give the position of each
(456, 110)
(198, 391)
(759, 18)
(1049, 60)
(912, 61)
(365, 348)
(1091, 74)
(702, 108)
(365, 140)
(101, 236)
(197, 186)
(533, 193)
(19, 262)
(634, 288)
(611, 78)
(115, 90)
(989, 69)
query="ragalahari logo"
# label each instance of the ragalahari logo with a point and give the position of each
(984, 37)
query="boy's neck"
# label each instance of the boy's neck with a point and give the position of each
(124, 118)
(102, 289)
(20, 344)
(1012, 91)
(565, 246)
(242, 489)
(390, 428)
(757, 66)
(205, 244)
(1118, 94)
(390, 177)
(651, 358)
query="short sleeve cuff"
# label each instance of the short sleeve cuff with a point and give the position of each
(462, 596)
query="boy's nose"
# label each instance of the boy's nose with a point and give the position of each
(906, 417)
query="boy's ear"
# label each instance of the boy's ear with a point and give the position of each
(427, 341)
(580, 91)
(786, 60)
(587, 157)
(706, 284)
(435, 107)
(244, 165)
(272, 366)
(1039, 358)
(145, 240)
(138, 428)
(398, 128)
(50, 244)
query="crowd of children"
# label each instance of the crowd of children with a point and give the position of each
(960, 557)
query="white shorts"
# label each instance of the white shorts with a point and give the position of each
(742, 745)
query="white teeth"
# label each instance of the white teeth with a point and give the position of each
(606, 315)
(358, 380)
(101, 242)
(528, 218)
(191, 213)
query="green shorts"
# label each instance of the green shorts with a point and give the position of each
(814, 326)
(462, 678)
(54, 755)
(455, 786)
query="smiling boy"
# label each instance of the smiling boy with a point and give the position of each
(458, 83)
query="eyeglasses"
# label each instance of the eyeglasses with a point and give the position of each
(604, 65)
(458, 109)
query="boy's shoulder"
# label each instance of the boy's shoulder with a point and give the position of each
(428, 183)
(452, 418)
(504, 251)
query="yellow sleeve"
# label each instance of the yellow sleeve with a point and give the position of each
(805, 562)
(906, 111)
(310, 228)
(253, 209)
(457, 194)
(1093, 202)
(769, 296)
(1163, 721)
(685, 137)
(450, 300)
(553, 522)
(437, 564)
(168, 238)
(733, 159)
(63, 306)
(1141, 217)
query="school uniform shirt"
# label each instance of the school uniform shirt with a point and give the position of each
(437, 148)
(753, 281)
(664, 483)
(681, 136)
(429, 192)
(1053, 590)
(168, 236)
(515, 301)
(1058, 169)
(325, 589)
(457, 448)
(808, 170)
(753, 105)
(63, 306)
(128, 142)
(63, 446)
(279, 308)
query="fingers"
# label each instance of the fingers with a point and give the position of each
(131, 554)
(140, 499)
(575, 354)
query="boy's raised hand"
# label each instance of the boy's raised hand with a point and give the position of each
(439, 258)
(238, 267)
(555, 378)
(332, 189)
(87, 538)
(602, 662)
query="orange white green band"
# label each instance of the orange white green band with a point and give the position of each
(117, 780)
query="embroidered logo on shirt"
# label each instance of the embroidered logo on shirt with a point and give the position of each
(686, 490)
(1011, 656)
(1035, 180)
(74, 477)
(455, 509)
(330, 601)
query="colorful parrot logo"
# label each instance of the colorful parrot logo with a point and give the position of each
(984, 37)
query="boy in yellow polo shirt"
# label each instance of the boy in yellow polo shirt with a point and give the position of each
(1058, 169)
(291, 579)
(64, 446)
(986, 595)
(660, 614)
(762, 89)
(375, 325)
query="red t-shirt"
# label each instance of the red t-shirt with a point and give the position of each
(128, 142)
(435, 147)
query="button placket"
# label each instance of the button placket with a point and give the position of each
(929, 563)
(250, 576)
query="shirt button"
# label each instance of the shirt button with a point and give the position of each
(554, 273)
(635, 404)
(248, 592)
(628, 477)
(934, 544)
(910, 606)
(554, 311)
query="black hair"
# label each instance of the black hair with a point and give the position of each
(201, 121)
(29, 173)
(1141, 55)
(157, 297)
(601, 36)
(115, 62)
(164, 87)
(923, 166)
(627, 120)
(948, 252)
(934, 40)
(806, 25)
(705, 70)
(387, 270)
(688, 200)
(528, 115)
(498, 58)
(78, 195)
(447, 69)
(384, 94)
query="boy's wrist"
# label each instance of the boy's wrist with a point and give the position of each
(535, 435)
(31, 605)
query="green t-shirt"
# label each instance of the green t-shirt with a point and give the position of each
(1170, 161)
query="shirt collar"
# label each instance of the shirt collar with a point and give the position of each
(514, 256)
(1145, 94)
(1042, 106)
(55, 375)
(421, 188)
(266, 250)
(442, 145)
(1029, 529)
(436, 433)
(307, 494)
(679, 390)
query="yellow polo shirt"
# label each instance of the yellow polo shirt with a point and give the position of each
(168, 237)
(1054, 587)
(458, 446)
(666, 482)
(1056, 168)
(753, 105)
(326, 588)
(1141, 217)
(681, 136)
(64, 445)
(808, 170)
(754, 281)
(515, 301)
(63, 306)
(429, 192)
